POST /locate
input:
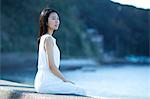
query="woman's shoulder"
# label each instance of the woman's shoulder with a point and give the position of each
(49, 39)
(47, 36)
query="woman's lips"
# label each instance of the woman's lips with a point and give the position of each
(56, 25)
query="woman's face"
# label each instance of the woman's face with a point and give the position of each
(53, 21)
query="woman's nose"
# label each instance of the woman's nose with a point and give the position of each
(57, 21)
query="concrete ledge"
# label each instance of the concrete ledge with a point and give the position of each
(12, 90)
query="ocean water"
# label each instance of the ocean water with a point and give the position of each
(106, 82)
(127, 82)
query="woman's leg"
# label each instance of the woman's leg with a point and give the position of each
(63, 88)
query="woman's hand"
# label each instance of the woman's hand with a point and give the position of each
(69, 81)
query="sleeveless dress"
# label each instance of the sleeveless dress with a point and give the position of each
(45, 81)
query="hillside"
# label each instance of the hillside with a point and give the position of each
(124, 28)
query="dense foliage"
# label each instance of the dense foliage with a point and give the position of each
(124, 28)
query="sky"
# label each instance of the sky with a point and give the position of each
(144, 4)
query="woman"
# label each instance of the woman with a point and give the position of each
(48, 78)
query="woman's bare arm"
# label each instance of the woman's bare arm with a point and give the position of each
(48, 45)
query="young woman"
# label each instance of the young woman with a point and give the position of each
(48, 78)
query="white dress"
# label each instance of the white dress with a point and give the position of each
(45, 81)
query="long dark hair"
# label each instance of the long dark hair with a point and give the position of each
(44, 21)
(44, 24)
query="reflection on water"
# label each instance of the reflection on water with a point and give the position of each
(125, 81)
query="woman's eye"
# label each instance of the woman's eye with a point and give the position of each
(53, 18)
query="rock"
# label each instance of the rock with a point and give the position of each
(13, 90)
